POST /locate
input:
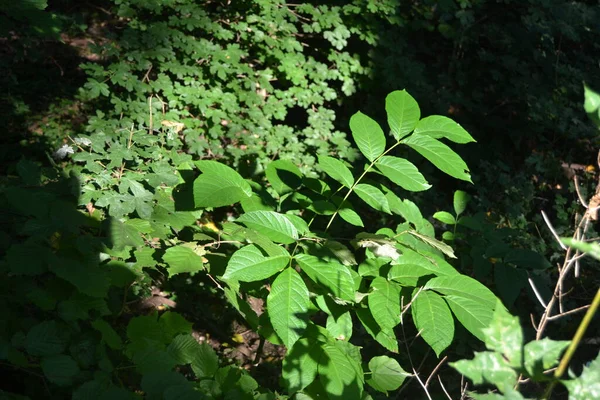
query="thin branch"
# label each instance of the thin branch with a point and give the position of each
(421, 383)
(537, 294)
(581, 199)
(443, 388)
(553, 231)
(576, 310)
(435, 370)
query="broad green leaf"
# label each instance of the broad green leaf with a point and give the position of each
(337, 170)
(384, 303)
(541, 355)
(219, 185)
(284, 176)
(436, 244)
(288, 305)
(433, 320)
(248, 264)
(338, 374)
(445, 217)
(109, 335)
(591, 105)
(386, 374)
(526, 258)
(299, 223)
(204, 361)
(403, 173)
(341, 252)
(473, 315)
(273, 225)
(181, 259)
(368, 136)
(330, 274)
(488, 367)
(300, 364)
(340, 327)
(439, 155)
(509, 282)
(461, 199)
(437, 126)
(509, 394)
(504, 335)
(60, 369)
(463, 286)
(242, 306)
(351, 216)
(587, 386)
(122, 235)
(403, 113)
(593, 249)
(46, 339)
(373, 197)
(384, 337)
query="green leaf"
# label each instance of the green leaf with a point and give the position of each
(300, 364)
(181, 259)
(403, 113)
(299, 223)
(350, 216)
(526, 258)
(403, 173)
(337, 170)
(593, 249)
(338, 374)
(384, 303)
(591, 104)
(437, 126)
(109, 335)
(433, 319)
(284, 176)
(436, 244)
(386, 374)
(368, 136)
(461, 199)
(488, 367)
(445, 217)
(46, 339)
(384, 337)
(288, 305)
(463, 286)
(504, 335)
(248, 265)
(541, 355)
(273, 225)
(60, 369)
(122, 235)
(330, 274)
(219, 185)
(587, 386)
(439, 155)
(474, 316)
(340, 327)
(205, 362)
(373, 197)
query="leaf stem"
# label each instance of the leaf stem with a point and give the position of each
(356, 183)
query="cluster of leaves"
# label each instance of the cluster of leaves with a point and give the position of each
(238, 77)
(308, 272)
(508, 360)
(64, 295)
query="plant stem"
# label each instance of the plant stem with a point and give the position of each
(564, 362)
